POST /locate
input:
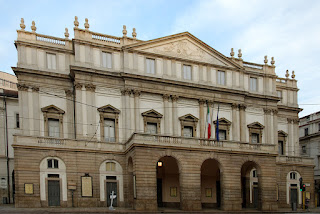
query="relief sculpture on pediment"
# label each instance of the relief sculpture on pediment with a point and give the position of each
(185, 49)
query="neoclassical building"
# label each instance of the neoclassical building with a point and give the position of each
(103, 115)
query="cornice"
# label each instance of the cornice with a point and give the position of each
(45, 47)
(20, 70)
(93, 44)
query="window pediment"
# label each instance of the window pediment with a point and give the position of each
(282, 134)
(188, 118)
(109, 109)
(223, 121)
(152, 113)
(52, 109)
(256, 125)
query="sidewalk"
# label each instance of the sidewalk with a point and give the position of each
(11, 209)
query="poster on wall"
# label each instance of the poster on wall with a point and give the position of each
(86, 186)
(28, 189)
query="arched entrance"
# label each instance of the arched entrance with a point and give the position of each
(210, 184)
(168, 186)
(250, 187)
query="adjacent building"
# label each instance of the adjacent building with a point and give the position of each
(310, 144)
(9, 125)
(102, 115)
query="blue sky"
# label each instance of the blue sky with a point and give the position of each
(289, 30)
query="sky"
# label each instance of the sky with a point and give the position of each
(288, 30)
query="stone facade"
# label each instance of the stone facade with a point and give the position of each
(9, 125)
(104, 113)
(309, 128)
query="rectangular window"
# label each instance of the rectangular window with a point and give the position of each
(222, 134)
(221, 78)
(53, 164)
(280, 95)
(319, 127)
(187, 131)
(253, 84)
(54, 127)
(150, 66)
(51, 61)
(306, 132)
(304, 149)
(152, 128)
(209, 192)
(110, 166)
(254, 138)
(187, 72)
(280, 147)
(109, 130)
(17, 120)
(106, 60)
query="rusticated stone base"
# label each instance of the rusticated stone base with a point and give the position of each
(191, 205)
(147, 205)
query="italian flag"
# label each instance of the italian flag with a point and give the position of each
(209, 123)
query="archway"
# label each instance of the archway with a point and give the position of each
(293, 194)
(250, 187)
(168, 185)
(210, 184)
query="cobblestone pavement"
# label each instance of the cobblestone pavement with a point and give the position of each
(10, 209)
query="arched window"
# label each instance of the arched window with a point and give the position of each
(293, 176)
(53, 164)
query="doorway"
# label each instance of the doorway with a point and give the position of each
(54, 193)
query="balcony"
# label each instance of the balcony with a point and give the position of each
(295, 160)
(143, 139)
(199, 143)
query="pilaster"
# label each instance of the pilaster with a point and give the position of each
(36, 111)
(79, 110)
(137, 117)
(243, 123)
(91, 111)
(69, 115)
(166, 114)
(235, 122)
(201, 117)
(174, 99)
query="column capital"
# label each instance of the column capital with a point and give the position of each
(174, 98)
(22, 87)
(136, 92)
(68, 92)
(235, 106)
(78, 85)
(242, 107)
(166, 97)
(267, 110)
(290, 120)
(202, 101)
(210, 103)
(90, 87)
(274, 111)
(35, 89)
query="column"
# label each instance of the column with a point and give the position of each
(295, 127)
(290, 137)
(235, 122)
(166, 114)
(243, 123)
(79, 115)
(23, 108)
(127, 124)
(69, 114)
(267, 121)
(175, 114)
(202, 118)
(275, 126)
(36, 111)
(91, 111)
(137, 116)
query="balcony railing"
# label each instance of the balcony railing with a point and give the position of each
(147, 139)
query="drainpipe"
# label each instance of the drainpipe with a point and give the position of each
(7, 146)
(74, 110)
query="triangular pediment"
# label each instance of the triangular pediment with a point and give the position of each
(222, 121)
(152, 113)
(184, 46)
(52, 109)
(256, 125)
(282, 133)
(189, 117)
(109, 109)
